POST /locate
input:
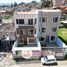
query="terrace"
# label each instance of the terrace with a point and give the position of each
(49, 44)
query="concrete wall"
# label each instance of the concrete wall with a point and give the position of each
(60, 43)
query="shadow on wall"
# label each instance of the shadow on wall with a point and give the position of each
(63, 40)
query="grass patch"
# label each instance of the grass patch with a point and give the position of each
(62, 33)
(7, 17)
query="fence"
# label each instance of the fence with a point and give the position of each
(58, 52)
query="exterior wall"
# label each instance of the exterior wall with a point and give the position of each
(48, 24)
(60, 43)
(25, 26)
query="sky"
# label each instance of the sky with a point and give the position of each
(18, 1)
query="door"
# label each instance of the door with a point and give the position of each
(25, 41)
(47, 38)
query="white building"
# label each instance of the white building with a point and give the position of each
(34, 27)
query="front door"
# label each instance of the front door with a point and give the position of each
(47, 38)
(25, 41)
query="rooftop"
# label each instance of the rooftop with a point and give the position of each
(36, 11)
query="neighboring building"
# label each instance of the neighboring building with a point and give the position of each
(34, 27)
(2, 13)
(57, 3)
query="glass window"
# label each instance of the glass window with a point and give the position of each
(21, 21)
(32, 40)
(21, 32)
(0, 20)
(43, 30)
(17, 31)
(16, 21)
(31, 31)
(54, 29)
(41, 38)
(55, 19)
(39, 19)
(35, 20)
(30, 21)
(52, 38)
(44, 19)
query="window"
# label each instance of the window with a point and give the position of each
(22, 32)
(39, 19)
(32, 40)
(35, 20)
(16, 21)
(52, 38)
(17, 31)
(0, 20)
(30, 21)
(31, 31)
(44, 19)
(55, 19)
(35, 31)
(19, 21)
(43, 30)
(54, 29)
(41, 38)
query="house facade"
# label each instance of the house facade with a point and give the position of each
(34, 27)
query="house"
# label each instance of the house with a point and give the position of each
(33, 28)
(57, 3)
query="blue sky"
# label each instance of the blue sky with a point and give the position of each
(18, 1)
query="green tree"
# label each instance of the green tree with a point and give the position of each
(15, 4)
(45, 3)
(12, 5)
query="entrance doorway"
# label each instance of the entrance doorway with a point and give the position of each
(25, 41)
(47, 38)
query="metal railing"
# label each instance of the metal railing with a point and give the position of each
(56, 51)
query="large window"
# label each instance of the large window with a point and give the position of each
(19, 21)
(41, 38)
(32, 40)
(52, 38)
(55, 19)
(31, 31)
(35, 20)
(43, 30)
(22, 32)
(30, 21)
(39, 19)
(54, 29)
(17, 30)
(0, 20)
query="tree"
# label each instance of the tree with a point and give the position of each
(33, 3)
(12, 5)
(15, 4)
(45, 3)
